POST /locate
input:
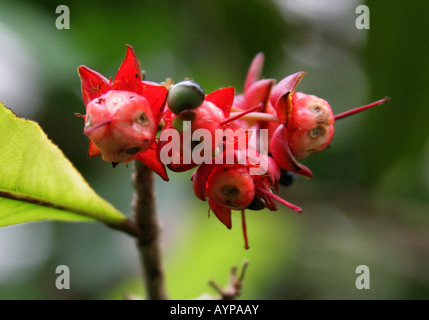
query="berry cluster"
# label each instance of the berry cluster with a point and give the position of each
(124, 116)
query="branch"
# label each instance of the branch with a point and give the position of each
(127, 226)
(233, 290)
(148, 242)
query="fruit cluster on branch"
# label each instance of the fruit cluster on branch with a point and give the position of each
(244, 144)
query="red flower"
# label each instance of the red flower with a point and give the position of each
(235, 187)
(273, 102)
(210, 115)
(307, 124)
(122, 118)
(122, 115)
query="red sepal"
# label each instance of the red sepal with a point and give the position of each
(199, 180)
(150, 159)
(128, 77)
(280, 150)
(281, 95)
(222, 213)
(93, 150)
(273, 173)
(223, 99)
(93, 84)
(156, 95)
(255, 71)
(259, 92)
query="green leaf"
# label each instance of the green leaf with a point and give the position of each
(38, 182)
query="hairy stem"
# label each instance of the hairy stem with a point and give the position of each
(148, 241)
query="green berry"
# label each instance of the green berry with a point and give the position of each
(185, 95)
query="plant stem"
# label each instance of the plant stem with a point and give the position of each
(148, 241)
(256, 116)
(239, 115)
(127, 226)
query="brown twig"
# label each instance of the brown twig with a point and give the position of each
(148, 241)
(146, 230)
(127, 226)
(233, 290)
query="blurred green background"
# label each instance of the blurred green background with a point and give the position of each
(367, 203)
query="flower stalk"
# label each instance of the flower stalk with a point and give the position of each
(260, 116)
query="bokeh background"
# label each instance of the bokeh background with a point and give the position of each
(367, 203)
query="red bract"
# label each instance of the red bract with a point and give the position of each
(122, 115)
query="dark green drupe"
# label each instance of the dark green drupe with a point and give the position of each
(287, 178)
(185, 95)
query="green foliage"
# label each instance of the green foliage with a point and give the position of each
(37, 182)
(398, 61)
